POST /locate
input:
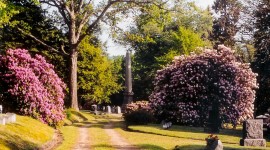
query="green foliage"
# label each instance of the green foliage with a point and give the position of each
(138, 117)
(96, 79)
(7, 10)
(118, 70)
(262, 60)
(41, 27)
(226, 25)
(159, 36)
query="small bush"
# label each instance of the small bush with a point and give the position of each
(138, 113)
(138, 117)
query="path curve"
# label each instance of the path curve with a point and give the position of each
(118, 142)
(84, 140)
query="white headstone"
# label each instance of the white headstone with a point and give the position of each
(2, 120)
(11, 117)
(109, 110)
(8, 119)
(118, 110)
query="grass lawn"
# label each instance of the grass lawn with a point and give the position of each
(26, 133)
(152, 137)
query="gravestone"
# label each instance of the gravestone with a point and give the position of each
(212, 125)
(166, 125)
(216, 145)
(109, 110)
(253, 133)
(12, 117)
(2, 120)
(118, 110)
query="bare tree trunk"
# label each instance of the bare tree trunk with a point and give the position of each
(73, 80)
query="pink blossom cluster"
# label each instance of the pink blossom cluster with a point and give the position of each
(138, 105)
(185, 89)
(34, 85)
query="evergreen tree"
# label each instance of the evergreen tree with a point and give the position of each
(225, 26)
(261, 64)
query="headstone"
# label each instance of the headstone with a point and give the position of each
(212, 125)
(118, 111)
(166, 125)
(253, 133)
(215, 145)
(94, 107)
(109, 111)
(11, 117)
(2, 120)
(113, 109)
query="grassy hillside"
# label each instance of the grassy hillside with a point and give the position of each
(26, 133)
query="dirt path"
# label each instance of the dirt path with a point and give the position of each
(118, 142)
(84, 142)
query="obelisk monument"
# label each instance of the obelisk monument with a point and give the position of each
(128, 94)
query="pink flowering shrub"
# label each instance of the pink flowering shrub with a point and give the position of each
(138, 105)
(31, 87)
(184, 90)
(138, 113)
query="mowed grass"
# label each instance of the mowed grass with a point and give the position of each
(26, 133)
(152, 137)
(70, 136)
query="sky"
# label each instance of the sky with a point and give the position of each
(114, 49)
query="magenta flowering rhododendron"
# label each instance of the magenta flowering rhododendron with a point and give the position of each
(185, 89)
(31, 87)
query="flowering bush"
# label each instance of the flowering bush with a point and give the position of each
(31, 87)
(138, 113)
(184, 90)
(138, 105)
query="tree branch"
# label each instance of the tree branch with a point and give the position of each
(50, 48)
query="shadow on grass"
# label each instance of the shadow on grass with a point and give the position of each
(189, 147)
(79, 114)
(102, 146)
(230, 132)
(150, 147)
(16, 142)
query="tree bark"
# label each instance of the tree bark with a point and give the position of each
(73, 80)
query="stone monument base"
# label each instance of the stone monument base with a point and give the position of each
(253, 142)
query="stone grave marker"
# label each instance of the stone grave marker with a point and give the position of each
(1, 109)
(2, 120)
(213, 123)
(253, 133)
(11, 117)
(109, 110)
(118, 110)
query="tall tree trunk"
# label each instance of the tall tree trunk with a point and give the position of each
(73, 80)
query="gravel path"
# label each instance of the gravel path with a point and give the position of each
(83, 142)
(118, 142)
